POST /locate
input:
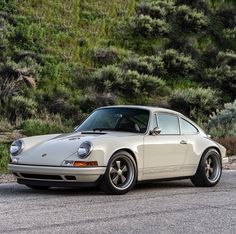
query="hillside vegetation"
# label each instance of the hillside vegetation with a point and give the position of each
(61, 59)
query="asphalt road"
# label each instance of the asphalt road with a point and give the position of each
(167, 207)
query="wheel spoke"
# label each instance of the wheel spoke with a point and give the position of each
(118, 164)
(124, 169)
(115, 179)
(211, 169)
(207, 173)
(209, 161)
(123, 179)
(113, 170)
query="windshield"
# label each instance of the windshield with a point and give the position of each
(116, 119)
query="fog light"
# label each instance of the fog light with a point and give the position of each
(85, 164)
(68, 163)
(14, 160)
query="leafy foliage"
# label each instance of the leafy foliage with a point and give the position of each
(196, 103)
(67, 58)
(223, 122)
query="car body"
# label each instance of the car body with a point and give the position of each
(116, 147)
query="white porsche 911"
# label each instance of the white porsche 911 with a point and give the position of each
(116, 147)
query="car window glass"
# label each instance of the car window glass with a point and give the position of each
(187, 128)
(117, 119)
(169, 124)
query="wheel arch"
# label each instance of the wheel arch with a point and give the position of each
(211, 147)
(130, 152)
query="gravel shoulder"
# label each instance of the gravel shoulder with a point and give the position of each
(230, 165)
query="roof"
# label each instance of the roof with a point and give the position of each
(150, 108)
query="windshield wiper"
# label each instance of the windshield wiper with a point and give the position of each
(92, 132)
(102, 129)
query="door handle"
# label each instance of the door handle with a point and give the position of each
(183, 142)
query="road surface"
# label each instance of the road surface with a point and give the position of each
(166, 207)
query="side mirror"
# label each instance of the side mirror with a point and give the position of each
(155, 131)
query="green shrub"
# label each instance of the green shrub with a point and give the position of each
(152, 65)
(112, 79)
(197, 103)
(5, 125)
(137, 85)
(223, 122)
(138, 64)
(105, 56)
(4, 157)
(145, 26)
(33, 127)
(20, 107)
(224, 74)
(107, 79)
(155, 9)
(176, 63)
(190, 19)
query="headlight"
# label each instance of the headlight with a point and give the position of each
(84, 149)
(16, 147)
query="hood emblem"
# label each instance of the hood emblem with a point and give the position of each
(44, 155)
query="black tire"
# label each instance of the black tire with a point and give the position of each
(121, 174)
(209, 169)
(38, 187)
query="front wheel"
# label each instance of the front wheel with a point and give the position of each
(121, 174)
(209, 170)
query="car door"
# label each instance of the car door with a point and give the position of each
(164, 154)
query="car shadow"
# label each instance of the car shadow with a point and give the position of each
(13, 189)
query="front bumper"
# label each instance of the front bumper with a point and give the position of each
(56, 175)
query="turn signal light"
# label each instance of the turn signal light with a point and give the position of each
(85, 164)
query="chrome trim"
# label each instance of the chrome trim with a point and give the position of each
(50, 170)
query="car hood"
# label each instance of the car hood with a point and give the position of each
(53, 151)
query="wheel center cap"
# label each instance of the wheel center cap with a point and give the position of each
(119, 172)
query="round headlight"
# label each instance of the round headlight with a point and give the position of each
(16, 147)
(84, 149)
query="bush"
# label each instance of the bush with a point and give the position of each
(113, 80)
(5, 125)
(177, 64)
(224, 74)
(155, 9)
(105, 56)
(151, 65)
(32, 127)
(197, 103)
(20, 107)
(147, 27)
(190, 19)
(107, 79)
(137, 85)
(4, 157)
(223, 122)
(137, 64)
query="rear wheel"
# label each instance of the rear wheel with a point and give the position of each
(209, 170)
(38, 187)
(121, 174)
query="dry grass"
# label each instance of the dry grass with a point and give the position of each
(229, 142)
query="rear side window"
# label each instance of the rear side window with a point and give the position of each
(169, 124)
(187, 128)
